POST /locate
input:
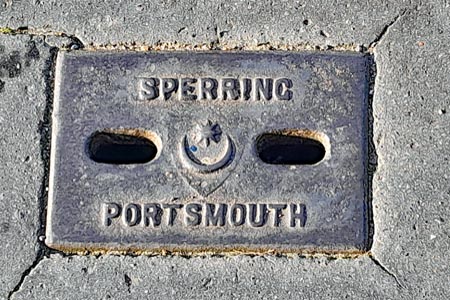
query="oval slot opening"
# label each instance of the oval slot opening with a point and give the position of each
(122, 147)
(290, 147)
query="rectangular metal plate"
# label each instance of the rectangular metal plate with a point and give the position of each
(209, 151)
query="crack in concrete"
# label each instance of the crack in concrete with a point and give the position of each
(379, 38)
(372, 46)
(75, 44)
(386, 270)
(25, 274)
(44, 128)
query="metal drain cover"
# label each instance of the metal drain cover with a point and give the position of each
(215, 151)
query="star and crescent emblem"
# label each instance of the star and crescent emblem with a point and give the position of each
(206, 150)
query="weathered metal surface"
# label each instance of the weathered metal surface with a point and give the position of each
(199, 151)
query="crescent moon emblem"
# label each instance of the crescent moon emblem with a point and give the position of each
(192, 162)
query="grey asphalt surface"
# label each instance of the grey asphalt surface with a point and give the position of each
(411, 194)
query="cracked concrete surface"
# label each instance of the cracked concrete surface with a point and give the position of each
(239, 277)
(386, 28)
(196, 22)
(23, 69)
(411, 209)
(382, 267)
(411, 193)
